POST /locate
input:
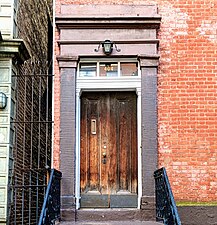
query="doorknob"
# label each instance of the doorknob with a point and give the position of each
(104, 154)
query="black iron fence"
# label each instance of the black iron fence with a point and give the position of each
(31, 144)
(28, 196)
(166, 210)
(51, 206)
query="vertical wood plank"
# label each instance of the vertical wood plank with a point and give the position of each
(104, 130)
(116, 136)
(83, 144)
(124, 146)
(113, 157)
(134, 152)
(93, 154)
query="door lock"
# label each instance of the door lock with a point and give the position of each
(104, 157)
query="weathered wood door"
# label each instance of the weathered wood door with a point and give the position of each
(108, 149)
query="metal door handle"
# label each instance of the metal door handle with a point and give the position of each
(93, 126)
(104, 154)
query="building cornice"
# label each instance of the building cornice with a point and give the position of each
(67, 21)
(133, 28)
(87, 42)
(15, 49)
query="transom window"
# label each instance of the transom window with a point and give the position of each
(108, 69)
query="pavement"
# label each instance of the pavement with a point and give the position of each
(133, 222)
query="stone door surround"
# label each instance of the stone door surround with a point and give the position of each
(134, 29)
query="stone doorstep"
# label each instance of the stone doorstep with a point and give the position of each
(99, 215)
(132, 222)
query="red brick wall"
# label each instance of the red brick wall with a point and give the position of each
(188, 98)
(187, 95)
(56, 141)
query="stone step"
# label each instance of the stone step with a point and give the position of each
(132, 222)
(99, 215)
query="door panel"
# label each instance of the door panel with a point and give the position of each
(108, 149)
(90, 165)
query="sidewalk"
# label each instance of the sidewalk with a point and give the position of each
(133, 222)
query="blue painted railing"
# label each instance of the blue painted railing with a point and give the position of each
(51, 207)
(166, 210)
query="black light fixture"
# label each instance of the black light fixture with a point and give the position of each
(1, 38)
(3, 100)
(107, 46)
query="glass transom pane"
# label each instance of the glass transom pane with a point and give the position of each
(108, 69)
(128, 69)
(87, 69)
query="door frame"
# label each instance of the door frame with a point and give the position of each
(94, 85)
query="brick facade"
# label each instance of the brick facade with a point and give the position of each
(187, 107)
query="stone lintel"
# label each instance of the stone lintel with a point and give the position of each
(67, 61)
(149, 60)
(14, 48)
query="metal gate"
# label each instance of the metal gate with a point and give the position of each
(31, 150)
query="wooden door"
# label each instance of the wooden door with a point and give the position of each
(108, 149)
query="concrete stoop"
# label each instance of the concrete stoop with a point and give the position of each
(114, 215)
(112, 223)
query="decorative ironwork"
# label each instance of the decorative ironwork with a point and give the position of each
(51, 206)
(166, 210)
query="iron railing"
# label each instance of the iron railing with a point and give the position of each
(51, 207)
(166, 210)
(27, 191)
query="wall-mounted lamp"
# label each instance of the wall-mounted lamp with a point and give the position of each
(3, 100)
(107, 47)
(1, 38)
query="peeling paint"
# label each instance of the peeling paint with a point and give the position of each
(176, 19)
(208, 29)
